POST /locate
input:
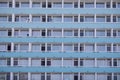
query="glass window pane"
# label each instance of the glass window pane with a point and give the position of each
(23, 62)
(118, 5)
(24, 4)
(100, 5)
(67, 77)
(36, 4)
(100, 19)
(3, 47)
(89, 47)
(100, 33)
(3, 18)
(57, 5)
(36, 33)
(23, 47)
(36, 19)
(24, 33)
(3, 33)
(3, 4)
(100, 48)
(89, 18)
(67, 63)
(89, 33)
(36, 62)
(23, 76)
(35, 77)
(35, 47)
(24, 18)
(68, 47)
(68, 19)
(68, 33)
(57, 19)
(68, 5)
(119, 33)
(89, 5)
(56, 47)
(3, 62)
(118, 18)
(57, 33)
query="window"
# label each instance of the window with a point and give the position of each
(48, 47)
(36, 47)
(57, 19)
(108, 33)
(100, 19)
(68, 47)
(16, 33)
(42, 76)
(118, 34)
(81, 4)
(10, 18)
(68, 5)
(75, 76)
(23, 47)
(68, 63)
(49, 4)
(75, 4)
(36, 19)
(3, 4)
(3, 47)
(3, 76)
(75, 62)
(114, 19)
(114, 5)
(89, 47)
(43, 33)
(9, 32)
(57, 33)
(36, 62)
(8, 47)
(24, 33)
(81, 62)
(115, 62)
(23, 76)
(48, 62)
(17, 19)
(68, 19)
(42, 62)
(56, 47)
(81, 47)
(3, 18)
(118, 20)
(49, 19)
(108, 47)
(75, 47)
(75, 18)
(114, 47)
(107, 4)
(81, 33)
(108, 18)
(36, 4)
(81, 18)
(10, 4)
(43, 47)
(75, 32)
(100, 5)
(48, 76)
(43, 18)
(89, 18)
(23, 62)
(17, 5)
(43, 4)
(56, 76)
(114, 33)
(3, 33)
(100, 47)
(68, 33)
(89, 33)
(100, 33)
(24, 4)
(24, 18)
(35, 76)
(3, 62)
(89, 5)
(36, 33)
(57, 5)
(118, 5)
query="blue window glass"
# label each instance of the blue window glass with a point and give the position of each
(57, 5)
(89, 33)
(57, 19)
(118, 5)
(68, 5)
(100, 5)
(3, 4)
(100, 48)
(35, 47)
(3, 18)
(118, 18)
(89, 5)
(68, 33)
(89, 19)
(36, 19)
(24, 4)
(100, 19)
(68, 19)
(56, 47)
(36, 4)
(68, 47)
(100, 33)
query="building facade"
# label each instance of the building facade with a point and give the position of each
(59, 39)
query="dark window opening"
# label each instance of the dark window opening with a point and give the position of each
(48, 62)
(81, 19)
(108, 33)
(8, 61)
(108, 5)
(114, 33)
(75, 76)
(49, 5)
(108, 19)
(15, 62)
(76, 63)
(114, 5)
(8, 76)
(115, 63)
(43, 4)
(17, 4)
(42, 76)
(48, 77)
(43, 33)
(81, 33)
(114, 18)
(43, 18)
(81, 62)
(43, 62)
(81, 48)
(81, 5)
(75, 19)
(75, 5)
(43, 47)
(109, 77)
(9, 47)
(10, 4)
(49, 19)
(9, 32)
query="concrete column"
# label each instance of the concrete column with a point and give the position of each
(95, 62)
(30, 2)
(62, 75)
(13, 17)
(13, 32)
(29, 76)
(12, 61)
(11, 75)
(30, 32)
(13, 3)
(62, 61)
(29, 62)
(45, 76)
(12, 47)
(30, 47)
(95, 76)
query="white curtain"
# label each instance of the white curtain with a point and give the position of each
(3, 33)
(3, 62)
(102, 63)
(89, 77)
(67, 77)
(23, 62)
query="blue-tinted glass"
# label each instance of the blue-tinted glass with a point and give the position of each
(56, 47)
(89, 5)
(100, 19)
(68, 47)
(3, 18)
(100, 48)
(36, 18)
(36, 4)
(100, 5)
(89, 33)
(57, 19)
(57, 5)
(118, 18)
(89, 19)
(35, 47)
(3, 4)
(89, 47)
(118, 5)
(100, 33)
(68, 19)
(24, 4)
(68, 5)
(68, 33)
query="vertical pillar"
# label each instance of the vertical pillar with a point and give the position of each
(62, 32)
(45, 76)
(62, 75)
(95, 48)
(95, 4)
(95, 18)
(13, 17)
(30, 18)
(111, 3)
(30, 2)
(30, 32)
(11, 61)
(29, 50)
(12, 47)
(112, 62)
(29, 76)
(95, 76)
(12, 32)
(62, 17)
(11, 75)
(62, 3)
(112, 76)
(13, 3)
(78, 7)
(46, 3)
(29, 62)
(62, 47)
(62, 62)
(95, 62)
(45, 62)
